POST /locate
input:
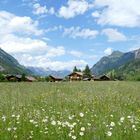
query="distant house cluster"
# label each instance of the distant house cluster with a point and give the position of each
(18, 78)
(74, 76)
(79, 76)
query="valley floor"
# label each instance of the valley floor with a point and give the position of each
(70, 110)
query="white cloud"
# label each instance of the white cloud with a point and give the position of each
(10, 23)
(75, 32)
(96, 14)
(43, 61)
(39, 10)
(114, 35)
(76, 53)
(108, 51)
(134, 48)
(119, 12)
(29, 51)
(57, 51)
(61, 65)
(73, 8)
(14, 44)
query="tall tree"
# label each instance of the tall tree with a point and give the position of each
(75, 69)
(23, 78)
(1, 77)
(87, 71)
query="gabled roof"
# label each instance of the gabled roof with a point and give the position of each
(30, 78)
(104, 76)
(57, 78)
(79, 73)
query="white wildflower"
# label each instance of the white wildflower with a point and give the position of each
(53, 122)
(129, 117)
(122, 119)
(18, 116)
(15, 136)
(59, 123)
(31, 121)
(89, 124)
(81, 114)
(9, 129)
(133, 126)
(111, 116)
(70, 118)
(74, 123)
(81, 133)
(83, 129)
(4, 118)
(112, 124)
(109, 133)
(70, 134)
(74, 137)
(13, 116)
(14, 128)
(45, 120)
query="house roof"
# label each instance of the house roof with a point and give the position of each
(57, 78)
(104, 76)
(79, 73)
(30, 78)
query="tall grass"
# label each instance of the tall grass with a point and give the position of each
(76, 110)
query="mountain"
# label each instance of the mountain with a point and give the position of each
(129, 71)
(47, 71)
(9, 64)
(115, 61)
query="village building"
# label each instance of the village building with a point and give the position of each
(12, 77)
(76, 76)
(102, 78)
(18, 78)
(30, 79)
(55, 79)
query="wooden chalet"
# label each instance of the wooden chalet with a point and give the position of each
(75, 76)
(55, 79)
(102, 78)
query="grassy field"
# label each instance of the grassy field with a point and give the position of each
(67, 111)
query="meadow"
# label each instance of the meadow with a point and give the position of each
(70, 110)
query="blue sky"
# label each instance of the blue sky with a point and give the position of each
(64, 33)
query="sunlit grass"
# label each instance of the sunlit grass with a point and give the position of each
(70, 110)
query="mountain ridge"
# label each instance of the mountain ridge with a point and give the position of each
(115, 61)
(8, 64)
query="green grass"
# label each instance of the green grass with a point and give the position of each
(60, 111)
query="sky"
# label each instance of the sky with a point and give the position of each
(61, 34)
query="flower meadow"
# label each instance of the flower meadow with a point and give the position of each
(70, 111)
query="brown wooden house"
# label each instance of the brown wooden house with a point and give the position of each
(75, 76)
(55, 79)
(102, 78)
